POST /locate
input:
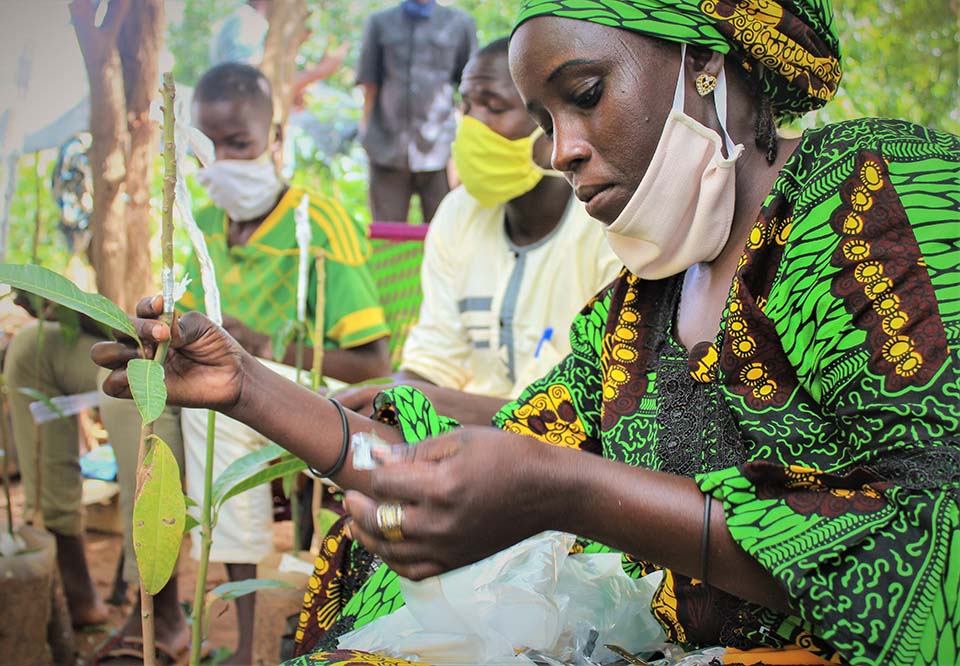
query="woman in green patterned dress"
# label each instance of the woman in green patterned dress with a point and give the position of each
(765, 403)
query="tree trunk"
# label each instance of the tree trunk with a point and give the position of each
(288, 28)
(121, 59)
(139, 43)
(109, 145)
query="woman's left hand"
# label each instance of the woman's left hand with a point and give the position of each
(465, 495)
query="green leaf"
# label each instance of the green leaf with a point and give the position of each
(158, 516)
(54, 287)
(147, 387)
(248, 472)
(38, 306)
(40, 397)
(325, 520)
(287, 484)
(233, 589)
(69, 325)
(189, 523)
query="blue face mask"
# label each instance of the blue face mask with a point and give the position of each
(416, 10)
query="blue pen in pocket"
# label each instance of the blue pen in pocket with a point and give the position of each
(545, 338)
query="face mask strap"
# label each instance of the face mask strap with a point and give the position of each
(534, 137)
(720, 103)
(719, 98)
(678, 93)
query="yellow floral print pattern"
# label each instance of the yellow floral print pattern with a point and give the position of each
(550, 417)
(755, 25)
(619, 347)
(899, 350)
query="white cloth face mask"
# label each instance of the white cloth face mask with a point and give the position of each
(682, 210)
(245, 189)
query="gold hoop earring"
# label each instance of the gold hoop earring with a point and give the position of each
(705, 84)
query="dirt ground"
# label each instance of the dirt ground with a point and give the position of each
(103, 553)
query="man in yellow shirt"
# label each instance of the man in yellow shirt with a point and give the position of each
(510, 258)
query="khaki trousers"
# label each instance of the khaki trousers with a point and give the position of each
(65, 370)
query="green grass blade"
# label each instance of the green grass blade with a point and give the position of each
(69, 325)
(233, 589)
(158, 517)
(54, 287)
(147, 387)
(249, 471)
(40, 397)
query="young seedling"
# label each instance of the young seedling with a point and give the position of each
(159, 505)
(243, 474)
(5, 444)
(160, 519)
(159, 510)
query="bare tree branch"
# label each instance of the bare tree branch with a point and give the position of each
(84, 16)
(123, 139)
(114, 20)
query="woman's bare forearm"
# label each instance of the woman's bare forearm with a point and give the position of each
(656, 517)
(302, 422)
(467, 408)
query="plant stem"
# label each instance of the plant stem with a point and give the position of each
(148, 623)
(41, 308)
(318, 322)
(169, 183)
(37, 222)
(5, 444)
(38, 520)
(295, 512)
(146, 599)
(298, 357)
(316, 374)
(294, 496)
(206, 538)
(169, 187)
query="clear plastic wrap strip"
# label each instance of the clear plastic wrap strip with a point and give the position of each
(302, 219)
(183, 205)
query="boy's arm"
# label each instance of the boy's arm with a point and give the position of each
(351, 365)
(355, 364)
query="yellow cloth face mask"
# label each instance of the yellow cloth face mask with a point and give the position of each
(492, 168)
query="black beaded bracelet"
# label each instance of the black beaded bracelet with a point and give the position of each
(337, 466)
(705, 538)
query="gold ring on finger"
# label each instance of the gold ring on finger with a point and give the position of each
(390, 521)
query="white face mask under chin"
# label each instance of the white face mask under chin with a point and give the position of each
(681, 212)
(245, 189)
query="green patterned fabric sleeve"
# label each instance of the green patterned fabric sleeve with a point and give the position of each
(412, 413)
(851, 496)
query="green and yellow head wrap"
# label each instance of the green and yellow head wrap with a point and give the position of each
(793, 40)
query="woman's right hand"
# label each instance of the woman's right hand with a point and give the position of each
(204, 367)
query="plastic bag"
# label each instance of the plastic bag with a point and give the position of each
(532, 597)
(100, 464)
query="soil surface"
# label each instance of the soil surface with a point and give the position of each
(103, 553)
